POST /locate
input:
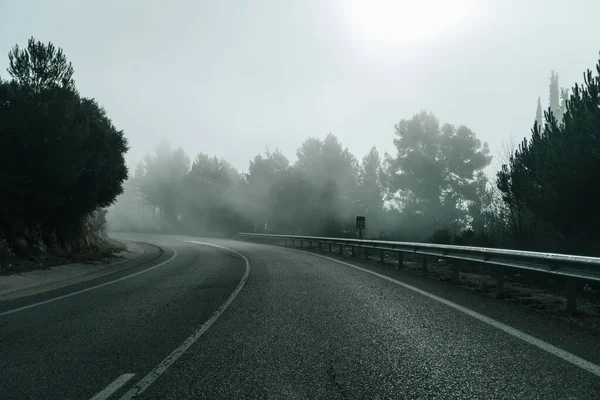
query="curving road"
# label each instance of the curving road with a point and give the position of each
(208, 318)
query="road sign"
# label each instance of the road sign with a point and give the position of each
(360, 223)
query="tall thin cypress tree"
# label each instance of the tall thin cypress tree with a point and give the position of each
(554, 97)
(538, 113)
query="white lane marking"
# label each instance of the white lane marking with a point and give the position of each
(113, 387)
(146, 381)
(545, 346)
(64, 296)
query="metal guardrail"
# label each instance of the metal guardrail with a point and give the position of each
(571, 267)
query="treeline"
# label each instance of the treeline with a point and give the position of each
(61, 158)
(433, 188)
(434, 182)
(551, 183)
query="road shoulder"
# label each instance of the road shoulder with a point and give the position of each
(560, 332)
(30, 283)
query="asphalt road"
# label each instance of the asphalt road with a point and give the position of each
(247, 320)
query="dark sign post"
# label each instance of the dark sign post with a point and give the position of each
(360, 225)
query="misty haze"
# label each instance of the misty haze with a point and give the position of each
(311, 199)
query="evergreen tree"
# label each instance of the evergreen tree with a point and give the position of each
(538, 113)
(554, 97)
(371, 190)
(60, 155)
(333, 173)
(163, 182)
(265, 178)
(553, 176)
(40, 67)
(564, 98)
(211, 193)
(435, 170)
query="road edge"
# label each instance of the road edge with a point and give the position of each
(150, 253)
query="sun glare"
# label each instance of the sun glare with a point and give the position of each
(385, 21)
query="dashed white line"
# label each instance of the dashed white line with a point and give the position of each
(64, 296)
(113, 387)
(545, 346)
(146, 381)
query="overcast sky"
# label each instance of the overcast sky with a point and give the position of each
(230, 78)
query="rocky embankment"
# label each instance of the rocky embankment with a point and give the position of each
(33, 248)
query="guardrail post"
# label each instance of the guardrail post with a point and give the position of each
(499, 281)
(400, 260)
(309, 244)
(341, 250)
(319, 246)
(366, 253)
(301, 244)
(425, 263)
(455, 271)
(330, 247)
(285, 242)
(353, 255)
(571, 284)
(381, 256)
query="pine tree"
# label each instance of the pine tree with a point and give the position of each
(60, 155)
(564, 97)
(430, 166)
(553, 176)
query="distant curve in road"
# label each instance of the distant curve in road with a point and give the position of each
(244, 320)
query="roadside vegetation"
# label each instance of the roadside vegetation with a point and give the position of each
(436, 187)
(61, 158)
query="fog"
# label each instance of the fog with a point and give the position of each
(426, 187)
(230, 78)
(296, 116)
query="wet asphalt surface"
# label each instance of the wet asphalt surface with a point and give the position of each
(302, 327)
